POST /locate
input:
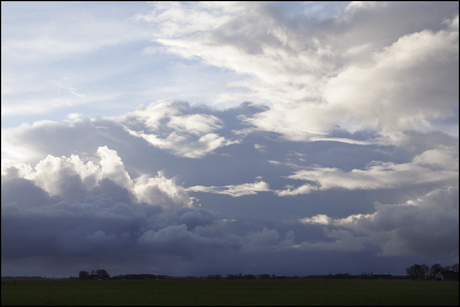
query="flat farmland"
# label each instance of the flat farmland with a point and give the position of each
(229, 292)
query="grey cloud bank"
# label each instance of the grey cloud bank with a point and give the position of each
(234, 201)
(332, 148)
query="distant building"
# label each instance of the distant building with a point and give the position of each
(439, 276)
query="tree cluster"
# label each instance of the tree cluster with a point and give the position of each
(423, 272)
(94, 275)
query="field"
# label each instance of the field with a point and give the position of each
(230, 292)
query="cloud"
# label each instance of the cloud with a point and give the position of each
(349, 115)
(344, 241)
(185, 135)
(12, 169)
(160, 190)
(176, 240)
(380, 95)
(434, 165)
(18, 192)
(234, 190)
(315, 75)
(396, 83)
(71, 177)
(264, 239)
(96, 225)
(427, 226)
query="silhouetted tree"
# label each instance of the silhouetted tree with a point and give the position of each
(83, 275)
(102, 274)
(455, 268)
(435, 269)
(417, 271)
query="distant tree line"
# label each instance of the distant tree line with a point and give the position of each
(423, 272)
(416, 272)
(241, 276)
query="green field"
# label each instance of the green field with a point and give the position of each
(230, 292)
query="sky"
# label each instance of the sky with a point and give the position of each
(196, 138)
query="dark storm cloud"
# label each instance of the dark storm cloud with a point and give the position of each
(97, 225)
(397, 229)
(23, 192)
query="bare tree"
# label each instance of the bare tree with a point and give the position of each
(418, 271)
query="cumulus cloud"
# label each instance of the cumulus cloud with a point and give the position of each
(161, 190)
(426, 226)
(71, 177)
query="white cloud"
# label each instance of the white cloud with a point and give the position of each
(12, 169)
(74, 116)
(400, 89)
(261, 148)
(434, 165)
(177, 19)
(255, 43)
(188, 136)
(112, 167)
(162, 191)
(234, 190)
(197, 124)
(70, 177)
(407, 83)
(302, 70)
(183, 146)
(321, 219)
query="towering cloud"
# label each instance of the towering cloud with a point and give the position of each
(71, 177)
